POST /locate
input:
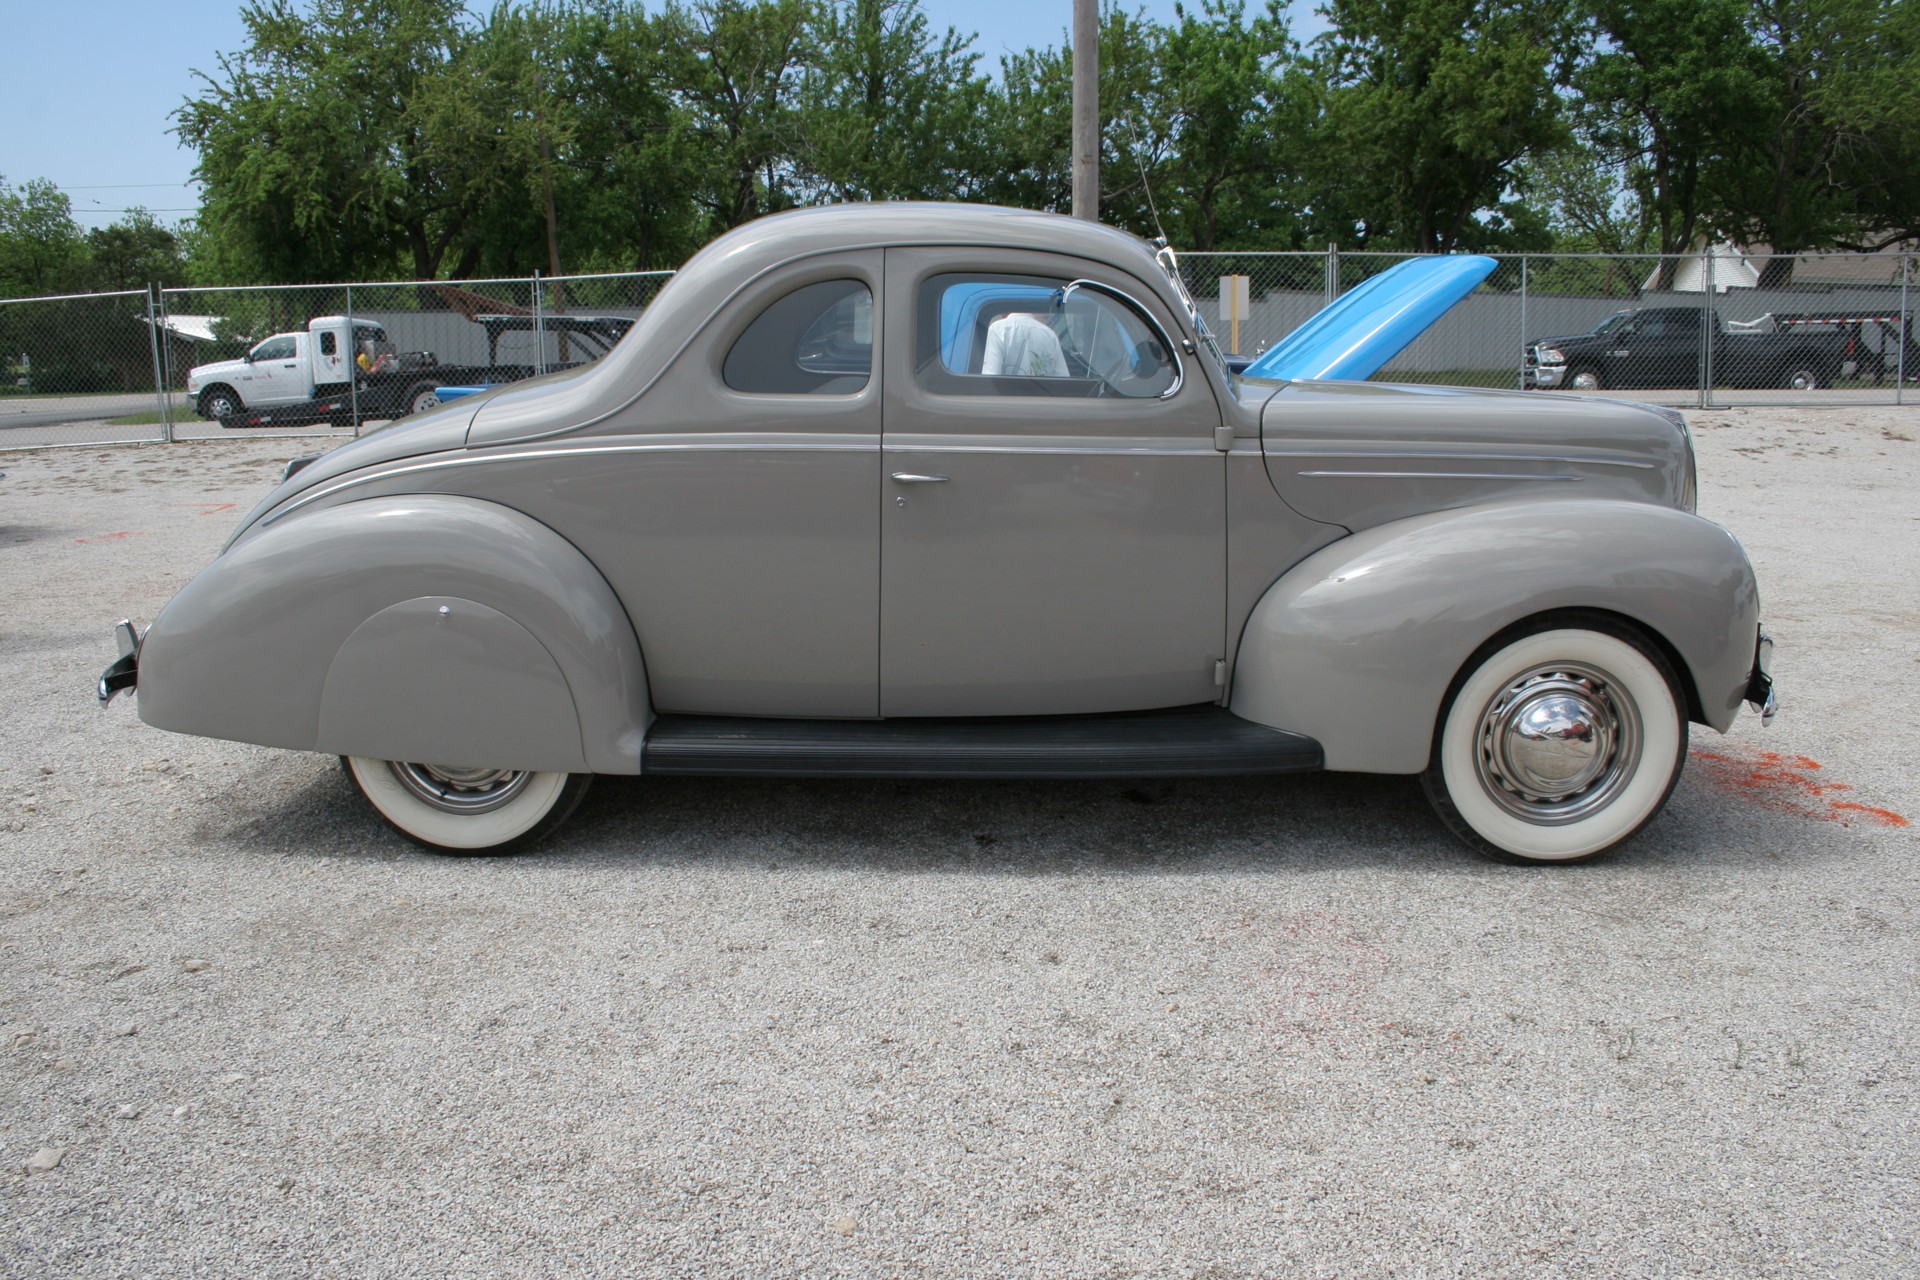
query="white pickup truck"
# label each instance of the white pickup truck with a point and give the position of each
(317, 374)
(314, 368)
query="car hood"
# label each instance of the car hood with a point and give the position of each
(1360, 454)
(1355, 335)
(219, 368)
(1559, 339)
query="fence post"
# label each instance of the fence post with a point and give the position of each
(353, 366)
(1523, 322)
(1707, 315)
(1906, 327)
(539, 329)
(1333, 271)
(166, 362)
(161, 394)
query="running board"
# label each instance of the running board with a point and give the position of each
(1206, 741)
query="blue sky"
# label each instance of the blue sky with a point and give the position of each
(89, 85)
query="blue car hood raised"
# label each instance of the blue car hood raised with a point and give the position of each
(1370, 324)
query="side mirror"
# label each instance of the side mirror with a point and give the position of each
(247, 356)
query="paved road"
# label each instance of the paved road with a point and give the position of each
(17, 412)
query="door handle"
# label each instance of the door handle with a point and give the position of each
(908, 477)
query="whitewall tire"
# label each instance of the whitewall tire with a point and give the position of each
(1558, 745)
(463, 810)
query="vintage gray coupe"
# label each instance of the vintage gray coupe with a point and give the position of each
(945, 491)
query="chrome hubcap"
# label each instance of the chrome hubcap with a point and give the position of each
(453, 789)
(1558, 744)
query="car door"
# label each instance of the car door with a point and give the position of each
(1666, 348)
(277, 375)
(1052, 502)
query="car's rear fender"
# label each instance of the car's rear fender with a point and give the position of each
(1357, 645)
(422, 627)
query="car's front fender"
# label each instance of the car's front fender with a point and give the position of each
(1357, 644)
(422, 627)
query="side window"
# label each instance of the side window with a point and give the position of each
(328, 343)
(817, 340)
(274, 349)
(1652, 325)
(1029, 336)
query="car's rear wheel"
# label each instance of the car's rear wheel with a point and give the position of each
(457, 809)
(1584, 380)
(1800, 377)
(422, 396)
(1559, 744)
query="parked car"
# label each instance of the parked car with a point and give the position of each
(926, 491)
(1663, 347)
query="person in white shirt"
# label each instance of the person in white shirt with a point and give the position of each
(1023, 345)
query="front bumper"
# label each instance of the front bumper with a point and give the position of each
(1761, 695)
(1545, 377)
(124, 673)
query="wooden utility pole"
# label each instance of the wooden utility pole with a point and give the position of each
(553, 232)
(1086, 109)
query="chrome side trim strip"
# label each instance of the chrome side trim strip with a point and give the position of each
(870, 445)
(1438, 475)
(1207, 451)
(1364, 455)
(730, 443)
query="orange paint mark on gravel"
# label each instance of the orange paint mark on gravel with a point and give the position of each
(109, 537)
(206, 508)
(1788, 784)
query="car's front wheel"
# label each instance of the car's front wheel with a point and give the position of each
(457, 809)
(218, 404)
(1559, 744)
(1584, 380)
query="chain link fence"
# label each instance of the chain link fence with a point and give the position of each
(91, 359)
(1700, 330)
(297, 360)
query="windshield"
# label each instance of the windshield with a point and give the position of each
(1611, 323)
(1171, 264)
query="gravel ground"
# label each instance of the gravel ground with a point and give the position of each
(1204, 1028)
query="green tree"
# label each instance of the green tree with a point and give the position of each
(887, 109)
(735, 66)
(1831, 163)
(1240, 107)
(1584, 198)
(1029, 146)
(629, 187)
(1429, 107)
(337, 143)
(1670, 87)
(41, 248)
(132, 253)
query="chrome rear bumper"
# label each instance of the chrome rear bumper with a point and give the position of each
(125, 671)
